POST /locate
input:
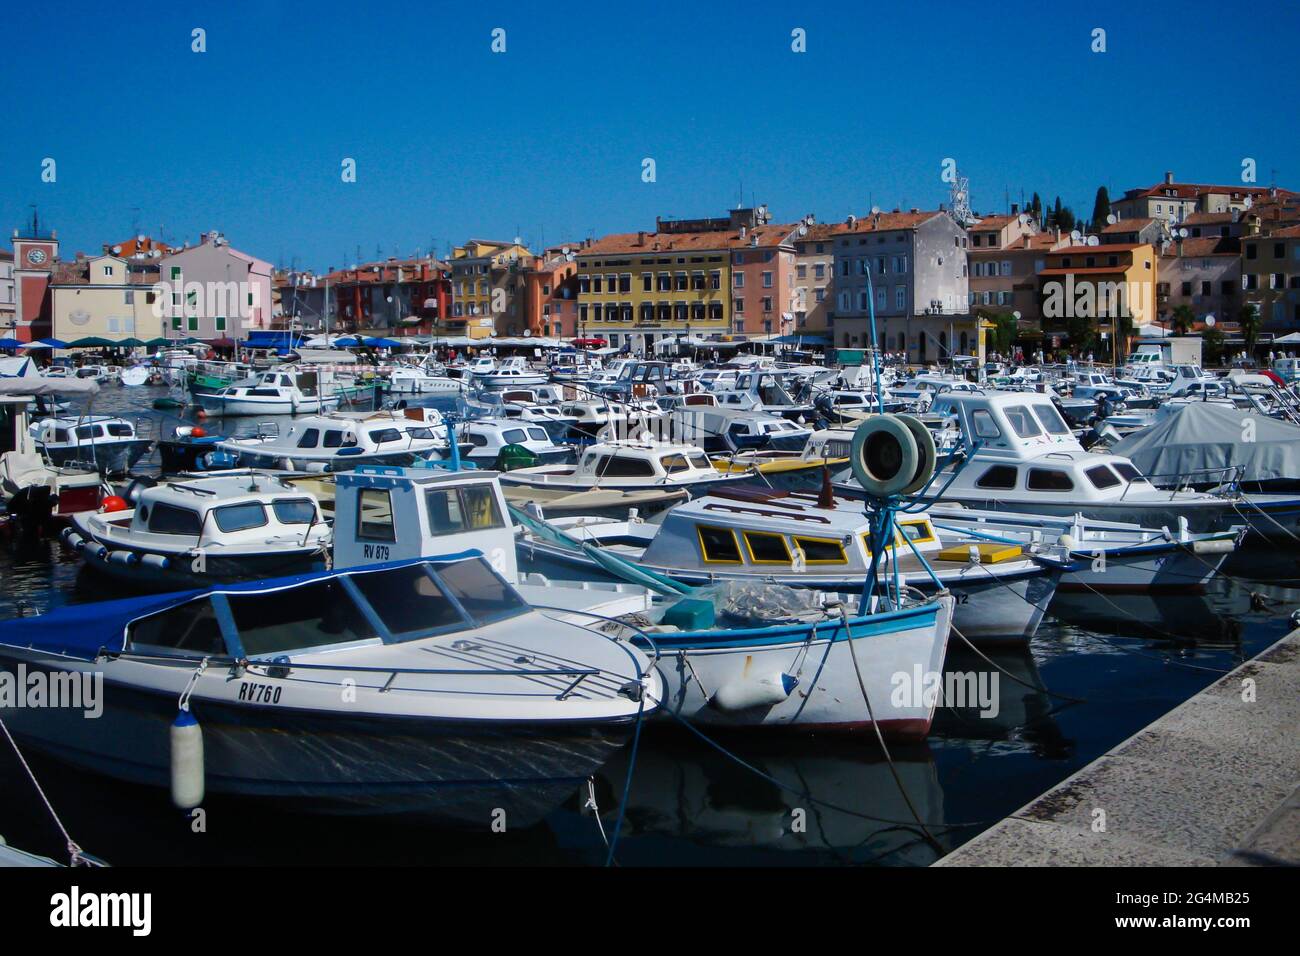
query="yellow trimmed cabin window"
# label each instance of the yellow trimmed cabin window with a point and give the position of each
(919, 532)
(821, 550)
(767, 548)
(718, 545)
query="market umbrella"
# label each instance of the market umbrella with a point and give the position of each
(11, 344)
(223, 343)
(47, 344)
(160, 342)
(383, 344)
(347, 342)
(92, 342)
(131, 343)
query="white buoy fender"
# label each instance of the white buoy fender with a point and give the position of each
(122, 557)
(744, 692)
(187, 761)
(157, 561)
(1217, 546)
(73, 540)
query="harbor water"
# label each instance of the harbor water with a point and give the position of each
(1089, 679)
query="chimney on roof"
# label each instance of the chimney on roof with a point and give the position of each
(640, 238)
(851, 221)
(1026, 242)
(914, 210)
(1015, 209)
(1169, 178)
(742, 232)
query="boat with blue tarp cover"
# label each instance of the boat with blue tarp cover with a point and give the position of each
(427, 686)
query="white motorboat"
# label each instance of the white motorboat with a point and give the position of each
(415, 380)
(425, 686)
(343, 441)
(1021, 456)
(628, 465)
(110, 444)
(510, 373)
(205, 531)
(271, 393)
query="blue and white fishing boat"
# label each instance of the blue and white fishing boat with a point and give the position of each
(425, 686)
(734, 656)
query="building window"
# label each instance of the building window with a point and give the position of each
(767, 280)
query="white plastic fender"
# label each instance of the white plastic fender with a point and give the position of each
(746, 691)
(1218, 546)
(122, 557)
(73, 540)
(157, 561)
(187, 761)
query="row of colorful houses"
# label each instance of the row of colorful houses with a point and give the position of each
(930, 278)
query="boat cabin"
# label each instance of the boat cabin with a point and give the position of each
(391, 514)
(222, 510)
(733, 529)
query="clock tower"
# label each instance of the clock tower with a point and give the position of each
(35, 253)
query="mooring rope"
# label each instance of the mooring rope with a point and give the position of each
(76, 856)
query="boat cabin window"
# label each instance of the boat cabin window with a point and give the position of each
(407, 600)
(1128, 472)
(385, 435)
(240, 517)
(1051, 419)
(514, 436)
(984, 425)
(1022, 421)
(168, 519)
(375, 515)
(918, 532)
(310, 438)
(467, 508)
(191, 627)
(1102, 477)
(312, 615)
(617, 466)
(999, 476)
(821, 550)
(333, 438)
(89, 431)
(675, 463)
(766, 547)
(1049, 479)
(420, 433)
(537, 434)
(294, 511)
(718, 545)
(119, 429)
(483, 595)
(61, 435)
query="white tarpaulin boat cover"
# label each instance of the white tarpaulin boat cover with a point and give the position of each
(1203, 436)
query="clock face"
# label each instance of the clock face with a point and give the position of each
(36, 256)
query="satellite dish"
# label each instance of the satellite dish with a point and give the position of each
(528, 333)
(117, 250)
(1182, 234)
(141, 238)
(1210, 320)
(803, 230)
(1076, 235)
(1111, 218)
(1016, 315)
(1094, 241)
(1024, 219)
(875, 210)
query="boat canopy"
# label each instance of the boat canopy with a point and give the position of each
(390, 602)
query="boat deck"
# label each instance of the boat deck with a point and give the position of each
(1215, 782)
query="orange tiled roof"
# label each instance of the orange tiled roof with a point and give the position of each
(636, 243)
(1203, 246)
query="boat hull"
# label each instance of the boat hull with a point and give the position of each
(111, 458)
(458, 772)
(695, 667)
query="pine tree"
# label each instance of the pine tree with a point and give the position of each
(1100, 208)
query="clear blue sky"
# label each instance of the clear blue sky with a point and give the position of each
(546, 140)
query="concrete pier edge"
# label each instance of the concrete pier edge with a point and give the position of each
(1214, 782)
